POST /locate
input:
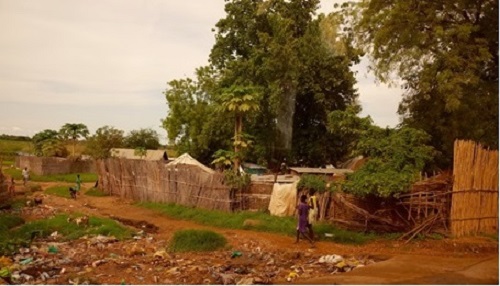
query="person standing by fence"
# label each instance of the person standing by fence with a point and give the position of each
(26, 176)
(313, 211)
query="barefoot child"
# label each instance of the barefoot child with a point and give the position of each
(302, 227)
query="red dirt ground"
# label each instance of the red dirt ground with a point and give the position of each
(444, 261)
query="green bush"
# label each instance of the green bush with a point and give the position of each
(312, 182)
(197, 240)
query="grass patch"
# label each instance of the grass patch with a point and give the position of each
(60, 191)
(197, 240)
(267, 223)
(13, 238)
(67, 178)
(59, 223)
(94, 192)
(10, 243)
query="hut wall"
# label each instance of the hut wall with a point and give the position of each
(53, 166)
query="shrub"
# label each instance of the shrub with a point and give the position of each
(197, 240)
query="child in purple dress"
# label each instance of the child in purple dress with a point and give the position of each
(302, 227)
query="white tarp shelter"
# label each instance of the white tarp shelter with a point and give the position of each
(283, 199)
(186, 159)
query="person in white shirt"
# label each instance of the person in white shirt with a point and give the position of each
(26, 175)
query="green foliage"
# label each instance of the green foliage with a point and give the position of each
(223, 159)
(268, 223)
(74, 131)
(9, 221)
(12, 238)
(68, 178)
(446, 54)
(60, 191)
(49, 137)
(395, 159)
(94, 192)
(196, 240)
(235, 180)
(105, 138)
(312, 182)
(70, 231)
(9, 149)
(145, 138)
(277, 49)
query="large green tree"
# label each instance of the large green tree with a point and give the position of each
(194, 122)
(280, 48)
(146, 138)
(395, 156)
(49, 143)
(445, 53)
(73, 132)
(105, 138)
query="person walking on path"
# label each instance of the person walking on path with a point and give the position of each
(74, 190)
(12, 187)
(78, 182)
(303, 223)
(26, 176)
(313, 211)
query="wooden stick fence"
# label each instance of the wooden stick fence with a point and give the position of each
(474, 206)
(155, 182)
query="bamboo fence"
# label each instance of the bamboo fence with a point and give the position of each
(153, 181)
(474, 205)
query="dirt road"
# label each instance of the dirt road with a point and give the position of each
(444, 261)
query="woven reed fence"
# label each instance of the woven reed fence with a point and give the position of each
(474, 205)
(153, 181)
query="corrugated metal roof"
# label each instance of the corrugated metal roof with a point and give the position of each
(327, 171)
(151, 155)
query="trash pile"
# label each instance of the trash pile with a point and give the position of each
(144, 259)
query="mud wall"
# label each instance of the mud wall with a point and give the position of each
(53, 166)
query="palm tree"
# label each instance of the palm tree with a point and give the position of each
(74, 131)
(240, 100)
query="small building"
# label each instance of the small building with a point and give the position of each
(326, 172)
(151, 155)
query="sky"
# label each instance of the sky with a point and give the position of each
(107, 62)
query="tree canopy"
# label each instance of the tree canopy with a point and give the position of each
(146, 138)
(445, 53)
(279, 48)
(105, 138)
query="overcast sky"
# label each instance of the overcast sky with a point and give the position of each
(107, 62)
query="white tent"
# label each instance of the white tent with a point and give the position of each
(185, 159)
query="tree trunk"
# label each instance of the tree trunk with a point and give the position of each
(237, 138)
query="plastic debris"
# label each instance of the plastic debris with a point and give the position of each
(236, 254)
(53, 249)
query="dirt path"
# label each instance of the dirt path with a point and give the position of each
(445, 261)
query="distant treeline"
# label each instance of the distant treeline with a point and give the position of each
(14, 137)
